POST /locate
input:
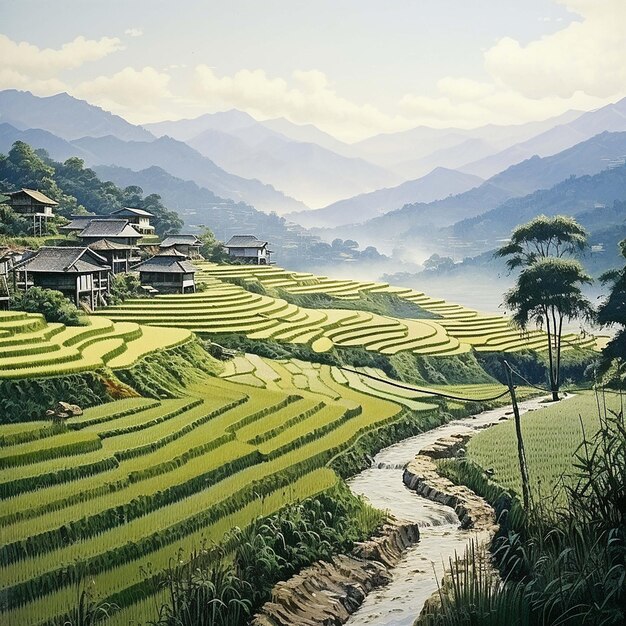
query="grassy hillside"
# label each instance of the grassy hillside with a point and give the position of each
(138, 479)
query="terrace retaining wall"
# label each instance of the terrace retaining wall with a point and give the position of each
(327, 593)
(421, 476)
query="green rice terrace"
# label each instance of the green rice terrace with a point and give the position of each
(31, 347)
(149, 471)
(223, 307)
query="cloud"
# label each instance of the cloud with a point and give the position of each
(10, 79)
(31, 61)
(586, 55)
(308, 97)
(134, 32)
(136, 94)
(580, 66)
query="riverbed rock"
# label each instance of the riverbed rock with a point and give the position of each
(421, 476)
(446, 447)
(327, 593)
(63, 410)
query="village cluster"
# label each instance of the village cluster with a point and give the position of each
(101, 246)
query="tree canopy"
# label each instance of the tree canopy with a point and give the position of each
(544, 237)
(613, 309)
(548, 290)
(78, 189)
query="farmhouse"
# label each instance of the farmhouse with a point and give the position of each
(32, 203)
(77, 223)
(115, 230)
(119, 256)
(8, 258)
(139, 218)
(248, 249)
(169, 271)
(79, 273)
(189, 245)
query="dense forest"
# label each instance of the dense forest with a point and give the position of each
(77, 189)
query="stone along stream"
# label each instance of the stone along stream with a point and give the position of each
(415, 577)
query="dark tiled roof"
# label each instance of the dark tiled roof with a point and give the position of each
(171, 252)
(34, 194)
(105, 244)
(78, 260)
(78, 222)
(132, 211)
(245, 241)
(168, 264)
(180, 239)
(104, 228)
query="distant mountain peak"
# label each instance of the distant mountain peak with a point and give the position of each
(65, 116)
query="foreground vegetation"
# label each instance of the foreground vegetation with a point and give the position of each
(139, 478)
(561, 562)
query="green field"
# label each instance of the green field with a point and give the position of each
(552, 437)
(224, 307)
(31, 347)
(112, 496)
(137, 479)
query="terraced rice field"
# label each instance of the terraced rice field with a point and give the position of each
(113, 495)
(224, 307)
(552, 437)
(251, 369)
(124, 486)
(483, 332)
(31, 347)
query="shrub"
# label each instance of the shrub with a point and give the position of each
(53, 305)
(124, 286)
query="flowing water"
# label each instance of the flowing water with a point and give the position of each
(415, 577)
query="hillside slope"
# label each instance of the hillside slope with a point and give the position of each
(439, 183)
(610, 118)
(589, 157)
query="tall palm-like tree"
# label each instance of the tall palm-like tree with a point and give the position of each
(543, 237)
(548, 293)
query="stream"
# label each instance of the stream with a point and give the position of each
(415, 577)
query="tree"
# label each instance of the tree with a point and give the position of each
(212, 249)
(541, 294)
(436, 263)
(548, 293)
(613, 311)
(544, 237)
(13, 224)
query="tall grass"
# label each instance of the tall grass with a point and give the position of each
(563, 567)
(223, 585)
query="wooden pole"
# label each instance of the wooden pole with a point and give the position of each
(521, 452)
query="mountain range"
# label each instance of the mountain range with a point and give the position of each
(65, 116)
(174, 156)
(437, 184)
(305, 170)
(589, 157)
(415, 185)
(609, 118)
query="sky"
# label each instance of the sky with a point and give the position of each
(354, 68)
